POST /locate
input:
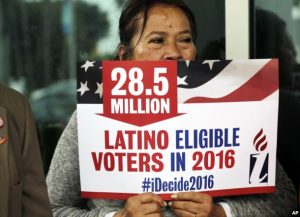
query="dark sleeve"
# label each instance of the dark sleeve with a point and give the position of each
(35, 200)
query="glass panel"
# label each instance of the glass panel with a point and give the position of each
(278, 36)
(41, 40)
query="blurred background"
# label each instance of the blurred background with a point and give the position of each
(41, 41)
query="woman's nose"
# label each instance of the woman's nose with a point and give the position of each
(172, 52)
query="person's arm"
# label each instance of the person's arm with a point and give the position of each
(280, 203)
(64, 186)
(63, 180)
(35, 200)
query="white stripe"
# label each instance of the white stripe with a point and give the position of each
(234, 75)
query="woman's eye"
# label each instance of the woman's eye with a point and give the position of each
(186, 40)
(157, 40)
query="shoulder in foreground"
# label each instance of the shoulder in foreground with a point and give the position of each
(9, 95)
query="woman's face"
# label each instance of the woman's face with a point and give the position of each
(167, 36)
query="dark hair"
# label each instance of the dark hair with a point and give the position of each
(128, 19)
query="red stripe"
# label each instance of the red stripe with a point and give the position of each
(215, 193)
(257, 136)
(260, 86)
(259, 142)
(263, 147)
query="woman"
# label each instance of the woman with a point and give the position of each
(22, 182)
(150, 30)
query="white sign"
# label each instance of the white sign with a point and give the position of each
(219, 139)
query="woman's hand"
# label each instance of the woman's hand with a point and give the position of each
(195, 204)
(147, 204)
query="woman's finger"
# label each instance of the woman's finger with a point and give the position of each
(151, 198)
(187, 206)
(151, 208)
(192, 196)
(183, 213)
(190, 203)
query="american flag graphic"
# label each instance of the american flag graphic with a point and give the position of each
(89, 82)
(198, 81)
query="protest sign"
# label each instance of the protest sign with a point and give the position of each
(171, 126)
